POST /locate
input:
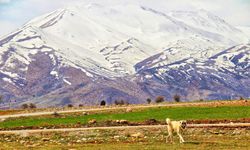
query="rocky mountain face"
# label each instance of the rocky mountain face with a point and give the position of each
(91, 52)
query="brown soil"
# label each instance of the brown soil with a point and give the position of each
(214, 121)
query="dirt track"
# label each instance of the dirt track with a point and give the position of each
(231, 125)
(193, 125)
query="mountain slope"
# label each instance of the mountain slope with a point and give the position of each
(222, 76)
(93, 52)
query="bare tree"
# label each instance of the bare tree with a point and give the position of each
(103, 103)
(177, 98)
(32, 106)
(25, 106)
(149, 100)
(70, 105)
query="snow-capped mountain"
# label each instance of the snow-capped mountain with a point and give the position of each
(93, 52)
(224, 75)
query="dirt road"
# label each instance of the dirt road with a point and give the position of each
(122, 127)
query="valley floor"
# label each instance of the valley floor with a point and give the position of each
(211, 125)
(127, 139)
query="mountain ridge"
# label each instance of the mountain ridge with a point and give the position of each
(89, 53)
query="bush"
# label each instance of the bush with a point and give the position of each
(159, 99)
(241, 98)
(32, 106)
(103, 103)
(80, 105)
(119, 102)
(126, 103)
(70, 105)
(177, 98)
(56, 114)
(149, 100)
(25, 106)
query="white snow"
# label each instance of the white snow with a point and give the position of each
(52, 57)
(128, 32)
(46, 50)
(66, 81)
(54, 73)
(245, 30)
(8, 80)
(89, 74)
(10, 74)
(148, 76)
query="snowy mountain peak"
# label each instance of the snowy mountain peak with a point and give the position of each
(96, 50)
(47, 20)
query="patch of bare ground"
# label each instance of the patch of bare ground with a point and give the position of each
(129, 138)
(117, 123)
(215, 121)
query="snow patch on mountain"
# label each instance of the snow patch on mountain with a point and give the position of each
(122, 48)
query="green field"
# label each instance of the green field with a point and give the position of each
(151, 139)
(190, 113)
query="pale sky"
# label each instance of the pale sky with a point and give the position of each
(15, 13)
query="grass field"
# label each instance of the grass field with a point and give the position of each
(123, 139)
(194, 113)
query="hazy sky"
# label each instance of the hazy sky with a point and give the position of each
(14, 13)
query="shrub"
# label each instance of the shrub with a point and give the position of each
(159, 99)
(177, 98)
(241, 98)
(126, 103)
(32, 106)
(70, 105)
(149, 100)
(119, 102)
(103, 103)
(80, 105)
(55, 114)
(25, 106)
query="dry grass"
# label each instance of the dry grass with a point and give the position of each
(152, 139)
